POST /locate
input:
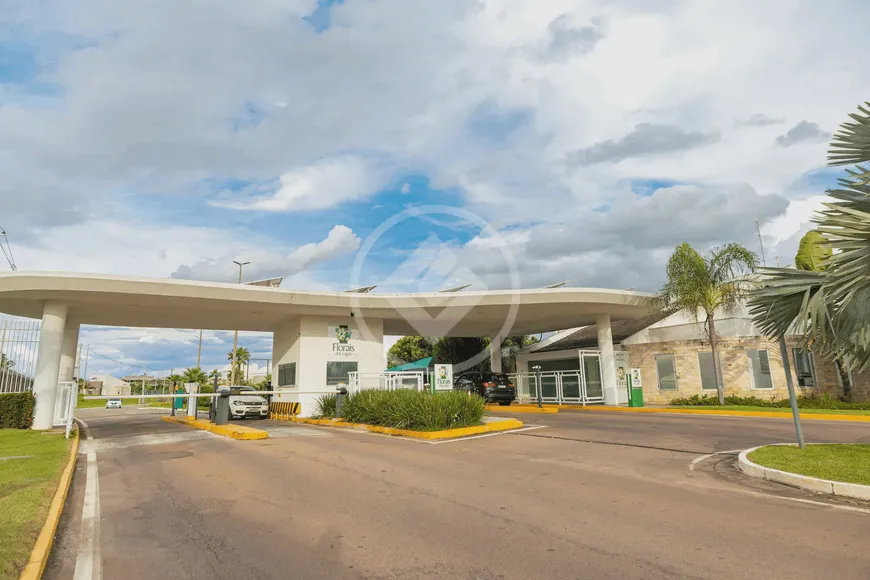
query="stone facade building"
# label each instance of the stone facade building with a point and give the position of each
(674, 356)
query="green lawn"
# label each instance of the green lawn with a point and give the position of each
(785, 410)
(848, 463)
(26, 489)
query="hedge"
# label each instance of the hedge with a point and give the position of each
(817, 402)
(414, 410)
(16, 410)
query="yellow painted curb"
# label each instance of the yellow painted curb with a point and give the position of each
(491, 427)
(523, 409)
(233, 431)
(39, 556)
(766, 414)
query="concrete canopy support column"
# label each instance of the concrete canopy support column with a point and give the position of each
(51, 337)
(608, 363)
(495, 353)
(68, 352)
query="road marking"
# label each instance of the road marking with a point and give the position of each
(88, 563)
(835, 506)
(486, 435)
(698, 460)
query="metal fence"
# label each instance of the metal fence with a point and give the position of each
(386, 381)
(19, 343)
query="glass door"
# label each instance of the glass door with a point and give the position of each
(592, 376)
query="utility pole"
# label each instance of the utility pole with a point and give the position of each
(144, 374)
(87, 356)
(199, 351)
(236, 332)
(760, 243)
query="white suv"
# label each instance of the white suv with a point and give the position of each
(245, 403)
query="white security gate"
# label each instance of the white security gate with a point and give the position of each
(65, 404)
(579, 386)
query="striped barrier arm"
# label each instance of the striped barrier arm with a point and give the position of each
(283, 411)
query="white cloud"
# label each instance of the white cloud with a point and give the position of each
(340, 241)
(321, 185)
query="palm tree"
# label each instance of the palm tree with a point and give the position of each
(214, 374)
(831, 308)
(242, 357)
(175, 378)
(706, 284)
(195, 375)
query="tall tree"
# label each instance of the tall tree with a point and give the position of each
(831, 308)
(813, 252)
(707, 283)
(214, 374)
(409, 349)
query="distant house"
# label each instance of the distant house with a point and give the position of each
(673, 354)
(109, 386)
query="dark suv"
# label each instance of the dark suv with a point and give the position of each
(493, 387)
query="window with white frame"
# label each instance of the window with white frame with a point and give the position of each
(666, 369)
(759, 365)
(804, 367)
(707, 371)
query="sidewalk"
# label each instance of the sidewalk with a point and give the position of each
(778, 414)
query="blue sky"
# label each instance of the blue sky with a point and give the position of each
(162, 139)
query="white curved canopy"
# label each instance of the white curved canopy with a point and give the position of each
(168, 303)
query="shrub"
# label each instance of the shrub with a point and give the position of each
(414, 410)
(325, 406)
(804, 402)
(16, 410)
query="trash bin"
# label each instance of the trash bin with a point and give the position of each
(341, 394)
(222, 407)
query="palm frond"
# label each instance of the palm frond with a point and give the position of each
(730, 262)
(851, 143)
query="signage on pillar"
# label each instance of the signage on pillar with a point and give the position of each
(620, 357)
(342, 341)
(443, 377)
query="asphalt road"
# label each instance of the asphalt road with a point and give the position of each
(545, 503)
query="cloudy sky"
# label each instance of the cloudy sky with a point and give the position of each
(575, 140)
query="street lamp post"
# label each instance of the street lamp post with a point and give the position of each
(537, 369)
(236, 332)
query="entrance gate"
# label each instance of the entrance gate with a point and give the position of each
(580, 386)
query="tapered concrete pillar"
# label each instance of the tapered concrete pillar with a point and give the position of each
(495, 353)
(68, 351)
(608, 363)
(51, 337)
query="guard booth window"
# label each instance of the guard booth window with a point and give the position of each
(337, 372)
(287, 375)
(708, 373)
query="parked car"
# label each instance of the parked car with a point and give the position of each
(113, 404)
(244, 403)
(493, 387)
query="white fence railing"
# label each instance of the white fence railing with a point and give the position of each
(19, 342)
(568, 387)
(386, 381)
(65, 405)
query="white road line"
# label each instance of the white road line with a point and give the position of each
(486, 435)
(698, 460)
(835, 506)
(88, 563)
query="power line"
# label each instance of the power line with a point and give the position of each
(7, 249)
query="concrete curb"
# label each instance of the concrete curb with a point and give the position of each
(722, 413)
(39, 556)
(851, 490)
(233, 431)
(491, 427)
(522, 408)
